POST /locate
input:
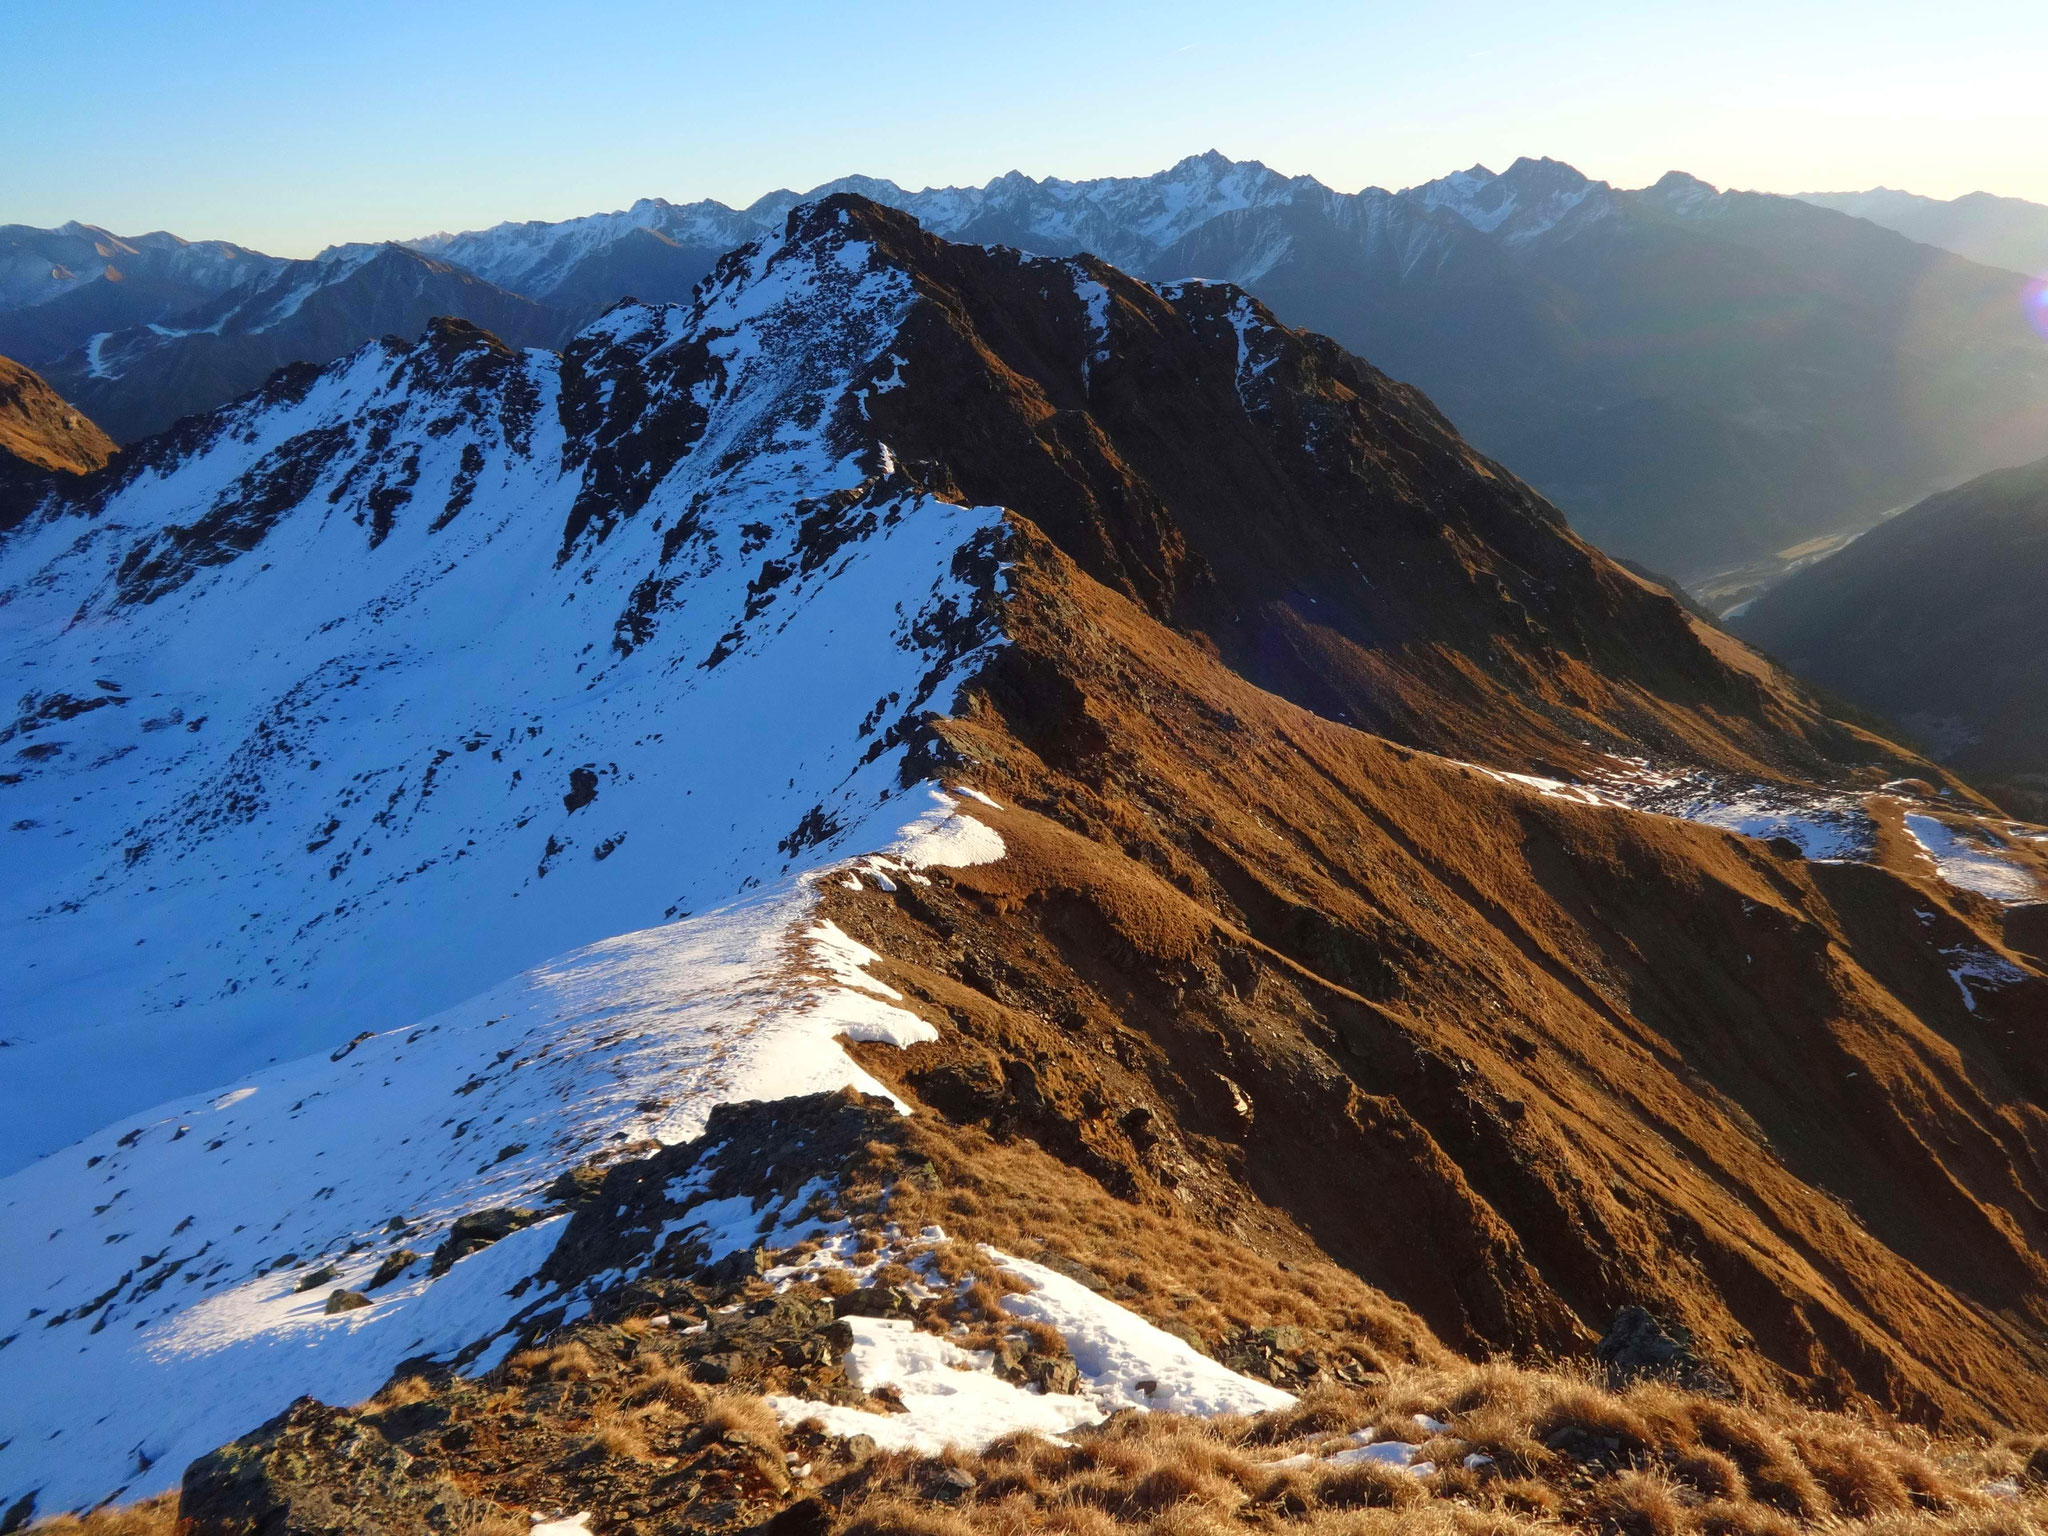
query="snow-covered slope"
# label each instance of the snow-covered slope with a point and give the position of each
(403, 675)
(159, 1303)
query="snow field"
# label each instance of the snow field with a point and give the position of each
(153, 1298)
(442, 749)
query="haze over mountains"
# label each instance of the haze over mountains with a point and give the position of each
(1937, 619)
(2005, 232)
(1699, 378)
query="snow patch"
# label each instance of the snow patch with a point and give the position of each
(1970, 865)
(1125, 1361)
(953, 1396)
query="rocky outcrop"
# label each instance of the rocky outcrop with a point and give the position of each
(320, 1471)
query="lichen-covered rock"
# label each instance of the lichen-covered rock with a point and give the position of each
(320, 1471)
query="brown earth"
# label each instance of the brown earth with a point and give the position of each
(1517, 1062)
(40, 429)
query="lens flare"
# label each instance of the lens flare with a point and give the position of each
(2036, 305)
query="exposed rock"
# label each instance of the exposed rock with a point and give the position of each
(479, 1229)
(1638, 1345)
(395, 1263)
(874, 1301)
(320, 1471)
(760, 1150)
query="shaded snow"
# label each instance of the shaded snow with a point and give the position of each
(150, 1319)
(1824, 824)
(338, 744)
(1823, 827)
(1975, 969)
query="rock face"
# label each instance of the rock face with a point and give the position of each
(1638, 1345)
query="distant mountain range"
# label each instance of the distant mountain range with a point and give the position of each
(141, 377)
(1997, 231)
(1700, 378)
(1937, 618)
(60, 286)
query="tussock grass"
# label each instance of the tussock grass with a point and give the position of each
(1548, 1450)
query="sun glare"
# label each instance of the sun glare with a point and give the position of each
(2036, 305)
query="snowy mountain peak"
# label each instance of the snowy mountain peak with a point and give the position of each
(1528, 199)
(447, 615)
(1679, 192)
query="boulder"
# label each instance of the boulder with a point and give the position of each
(479, 1229)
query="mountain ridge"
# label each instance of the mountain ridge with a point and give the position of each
(1688, 372)
(2008, 232)
(668, 642)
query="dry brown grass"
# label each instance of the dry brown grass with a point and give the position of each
(664, 1384)
(398, 1393)
(618, 1434)
(151, 1517)
(740, 1417)
(563, 1362)
(1554, 1449)
(1637, 1504)
(1015, 1196)
(837, 1282)
(1649, 1461)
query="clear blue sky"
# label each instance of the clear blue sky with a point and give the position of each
(288, 126)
